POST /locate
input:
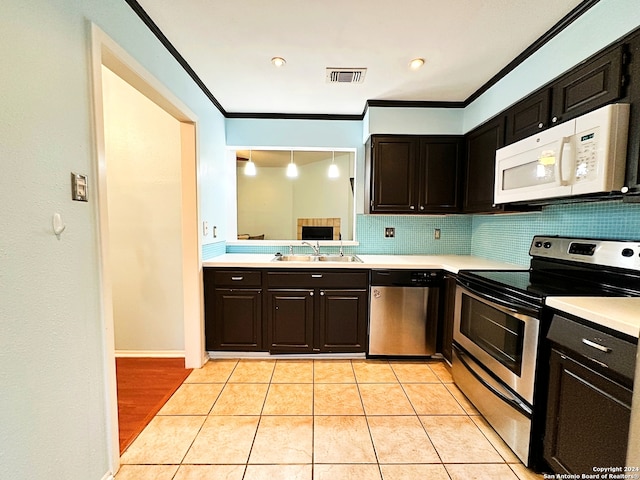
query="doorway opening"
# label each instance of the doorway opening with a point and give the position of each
(107, 56)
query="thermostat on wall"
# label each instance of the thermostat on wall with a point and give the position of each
(79, 187)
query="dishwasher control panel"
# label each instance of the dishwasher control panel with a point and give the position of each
(406, 278)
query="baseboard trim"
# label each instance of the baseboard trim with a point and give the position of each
(108, 476)
(288, 356)
(149, 353)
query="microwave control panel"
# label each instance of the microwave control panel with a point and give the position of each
(586, 155)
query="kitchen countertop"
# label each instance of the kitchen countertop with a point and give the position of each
(618, 313)
(450, 263)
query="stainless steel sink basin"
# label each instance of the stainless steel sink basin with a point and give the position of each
(339, 258)
(316, 258)
(293, 258)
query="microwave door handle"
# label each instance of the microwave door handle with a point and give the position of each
(560, 177)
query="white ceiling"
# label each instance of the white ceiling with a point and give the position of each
(229, 44)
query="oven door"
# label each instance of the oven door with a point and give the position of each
(501, 335)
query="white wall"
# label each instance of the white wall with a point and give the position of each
(328, 198)
(257, 197)
(53, 410)
(143, 155)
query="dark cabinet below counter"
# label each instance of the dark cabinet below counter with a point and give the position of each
(317, 311)
(286, 311)
(233, 310)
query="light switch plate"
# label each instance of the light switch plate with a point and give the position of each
(79, 186)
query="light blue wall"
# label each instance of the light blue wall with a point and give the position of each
(53, 408)
(601, 25)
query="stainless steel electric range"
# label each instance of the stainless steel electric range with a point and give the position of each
(500, 360)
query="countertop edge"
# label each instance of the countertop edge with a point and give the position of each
(449, 263)
(616, 313)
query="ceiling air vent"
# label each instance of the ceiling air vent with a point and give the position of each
(346, 75)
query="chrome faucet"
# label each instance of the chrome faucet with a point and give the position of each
(316, 247)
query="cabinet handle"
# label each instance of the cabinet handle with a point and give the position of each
(316, 275)
(554, 119)
(412, 207)
(597, 346)
(322, 293)
(540, 125)
(236, 279)
(421, 207)
(311, 294)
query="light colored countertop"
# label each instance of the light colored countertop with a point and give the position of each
(450, 263)
(618, 313)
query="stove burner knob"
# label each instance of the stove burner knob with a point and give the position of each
(538, 244)
(547, 245)
(627, 252)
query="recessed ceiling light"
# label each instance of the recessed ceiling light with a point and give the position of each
(416, 63)
(278, 61)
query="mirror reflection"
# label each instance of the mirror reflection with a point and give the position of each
(295, 194)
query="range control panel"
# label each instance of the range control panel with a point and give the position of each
(611, 253)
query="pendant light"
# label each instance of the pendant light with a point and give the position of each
(333, 168)
(250, 167)
(292, 170)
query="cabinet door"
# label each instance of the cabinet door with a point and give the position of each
(448, 311)
(290, 321)
(482, 144)
(343, 320)
(393, 174)
(238, 319)
(528, 117)
(592, 85)
(587, 418)
(439, 174)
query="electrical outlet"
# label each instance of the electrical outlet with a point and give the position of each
(436, 234)
(389, 232)
(205, 228)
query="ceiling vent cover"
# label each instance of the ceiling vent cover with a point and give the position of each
(345, 75)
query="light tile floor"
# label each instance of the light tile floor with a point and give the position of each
(320, 420)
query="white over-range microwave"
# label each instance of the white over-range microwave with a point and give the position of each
(581, 156)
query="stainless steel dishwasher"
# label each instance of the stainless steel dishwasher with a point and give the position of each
(404, 312)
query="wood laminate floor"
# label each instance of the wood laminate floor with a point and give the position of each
(144, 386)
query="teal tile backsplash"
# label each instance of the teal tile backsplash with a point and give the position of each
(414, 234)
(500, 237)
(508, 237)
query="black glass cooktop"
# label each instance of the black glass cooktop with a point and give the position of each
(540, 285)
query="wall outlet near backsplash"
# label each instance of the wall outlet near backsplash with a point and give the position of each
(436, 234)
(389, 232)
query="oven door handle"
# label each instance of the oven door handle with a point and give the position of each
(502, 302)
(499, 391)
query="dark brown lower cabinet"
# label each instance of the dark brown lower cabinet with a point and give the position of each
(343, 320)
(446, 326)
(290, 321)
(233, 309)
(317, 311)
(239, 312)
(587, 418)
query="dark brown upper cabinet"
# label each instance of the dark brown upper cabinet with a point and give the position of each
(482, 144)
(414, 174)
(595, 83)
(528, 117)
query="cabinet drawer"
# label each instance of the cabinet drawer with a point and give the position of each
(612, 353)
(238, 278)
(317, 279)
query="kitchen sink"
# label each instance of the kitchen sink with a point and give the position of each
(316, 258)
